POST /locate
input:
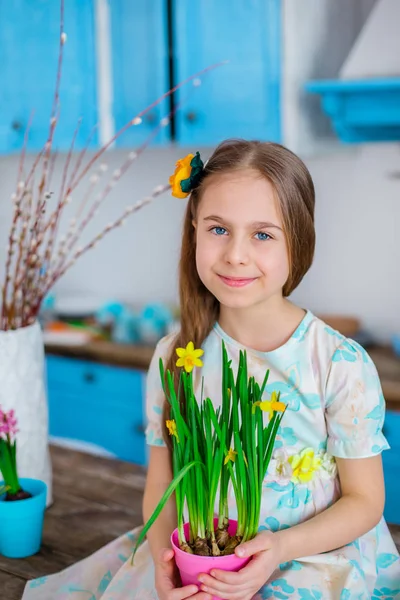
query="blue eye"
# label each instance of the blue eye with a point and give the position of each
(218, 230)
(263, 236)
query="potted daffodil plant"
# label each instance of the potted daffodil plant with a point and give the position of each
(215, 445)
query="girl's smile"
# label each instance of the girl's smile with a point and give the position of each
(237, 282)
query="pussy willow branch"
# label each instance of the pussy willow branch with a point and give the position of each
(159, 190)
(55, 107)
(63, 197)
(43, 195)
(23, 247)
(37, 264)
(75, 233)
(55, 217)
(137, 120)
(16, 198)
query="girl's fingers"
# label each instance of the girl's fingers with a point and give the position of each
(166, 554)
(166, 579)
(188, 591)
(225, 590)
(232, 594)
(167, 566)
(201, 596)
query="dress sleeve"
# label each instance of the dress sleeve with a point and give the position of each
(355, 406)
(155, 395)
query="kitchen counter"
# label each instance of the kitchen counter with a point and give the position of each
(138, 357)
(388, 366)
(110, 353)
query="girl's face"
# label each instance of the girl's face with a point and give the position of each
(241, 251)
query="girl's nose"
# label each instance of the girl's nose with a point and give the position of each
(236, 252)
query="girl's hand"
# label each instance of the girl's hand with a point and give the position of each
(167, 580)
(266, 551)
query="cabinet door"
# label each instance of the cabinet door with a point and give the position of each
(29, 34)
(139, 43)
(98, 405)
(391, 462)
(238, 99)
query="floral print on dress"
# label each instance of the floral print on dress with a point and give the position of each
(303, 467)
(335, 410)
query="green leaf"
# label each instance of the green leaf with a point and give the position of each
(264, 383)
(166, 496)
(276, 419)
(182, 428)
(7, 465)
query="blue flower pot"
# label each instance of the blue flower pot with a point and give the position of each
(21, 521)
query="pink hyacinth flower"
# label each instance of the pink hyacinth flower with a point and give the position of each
(12, 422)
(3, 425)
(8, 423)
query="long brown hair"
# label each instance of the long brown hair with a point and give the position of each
(294, 190)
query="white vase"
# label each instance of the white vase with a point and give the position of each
(23, 388)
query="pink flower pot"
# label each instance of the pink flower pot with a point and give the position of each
(191, 566)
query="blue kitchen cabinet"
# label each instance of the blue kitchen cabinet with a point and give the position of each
(391, 467)
(98, 405)
(240, 98)
(154, 44)
(140, 58)
(29, 34)
(361, 110)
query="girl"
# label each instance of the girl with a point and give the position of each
(248, 240)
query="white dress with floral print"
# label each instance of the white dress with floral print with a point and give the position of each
(335, 409)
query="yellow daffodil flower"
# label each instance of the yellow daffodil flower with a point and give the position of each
(304, 465)
(189, 357)
(230, 456)
(270, 406)
(183, 171)
(171, 426)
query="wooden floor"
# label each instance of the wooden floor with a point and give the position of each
(95, 500)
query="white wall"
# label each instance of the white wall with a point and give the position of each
(357, 265)
(376, 52)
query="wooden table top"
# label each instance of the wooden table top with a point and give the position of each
(111, 353)
(388, 366)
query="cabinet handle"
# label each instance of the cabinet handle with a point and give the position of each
(191, 117)
(89, 377)
(139, 428)
(16, 125)
(150, 118)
